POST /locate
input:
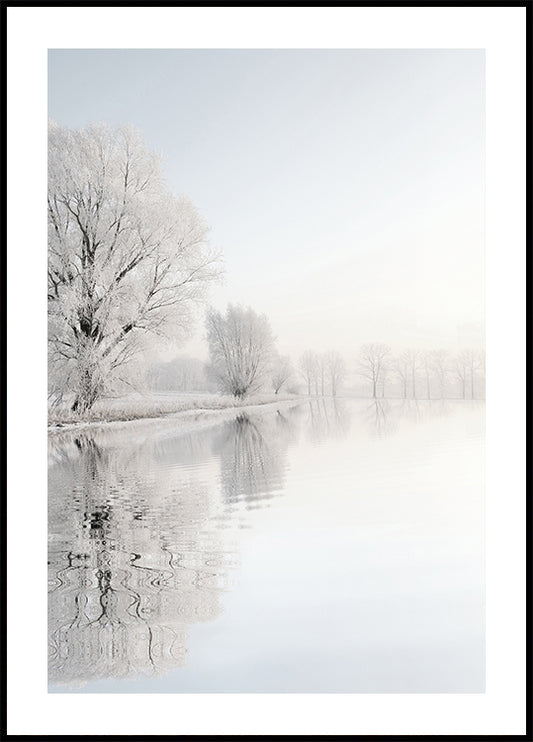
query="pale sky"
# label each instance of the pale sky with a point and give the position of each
(343, 187)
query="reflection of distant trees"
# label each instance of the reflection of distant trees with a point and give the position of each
(323, 373)
(438, 408)
(468, 365)
(409, 409)
(382, 417)
(417, 410)
(327, 418)
(132, 560)
(378, 418)
(253, 455)
(437, 374)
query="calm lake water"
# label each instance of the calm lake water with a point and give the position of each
(323, 546)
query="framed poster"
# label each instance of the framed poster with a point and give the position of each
(270, 485)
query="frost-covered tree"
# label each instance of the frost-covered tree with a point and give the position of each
(400, 365)
(461, 371)
(467, 364)
(427, 367)
(440, 363)
(412, 360)
(481, 373)
(127, 260)
(475, 361)
(387, 369)
(321, 372)
(241, 349)
(309, 369)
(371, 363)
(335, 369)
(281, 371)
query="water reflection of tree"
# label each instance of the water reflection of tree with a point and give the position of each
(416, 410)
(383, 417)
(253, 456)
(137, 552)
(132, 559)
(327, 418)
(378, 417)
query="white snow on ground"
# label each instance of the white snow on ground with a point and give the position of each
(193, 411)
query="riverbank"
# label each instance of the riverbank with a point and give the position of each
(118, 412)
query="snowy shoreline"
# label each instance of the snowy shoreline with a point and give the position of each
(192, 417)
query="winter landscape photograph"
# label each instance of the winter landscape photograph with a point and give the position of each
(266, 371)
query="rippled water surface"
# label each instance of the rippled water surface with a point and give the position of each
(323, 546)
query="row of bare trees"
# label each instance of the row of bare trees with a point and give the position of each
(422, 373)
(244, 360)
(323, 372)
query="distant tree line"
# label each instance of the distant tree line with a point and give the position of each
(244, 361)
(422, 374)
(323, 372)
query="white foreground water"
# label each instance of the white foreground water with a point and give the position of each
(325, 546)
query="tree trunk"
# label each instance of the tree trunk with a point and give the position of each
(89, 387)
(85, 399)
(373, 388)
